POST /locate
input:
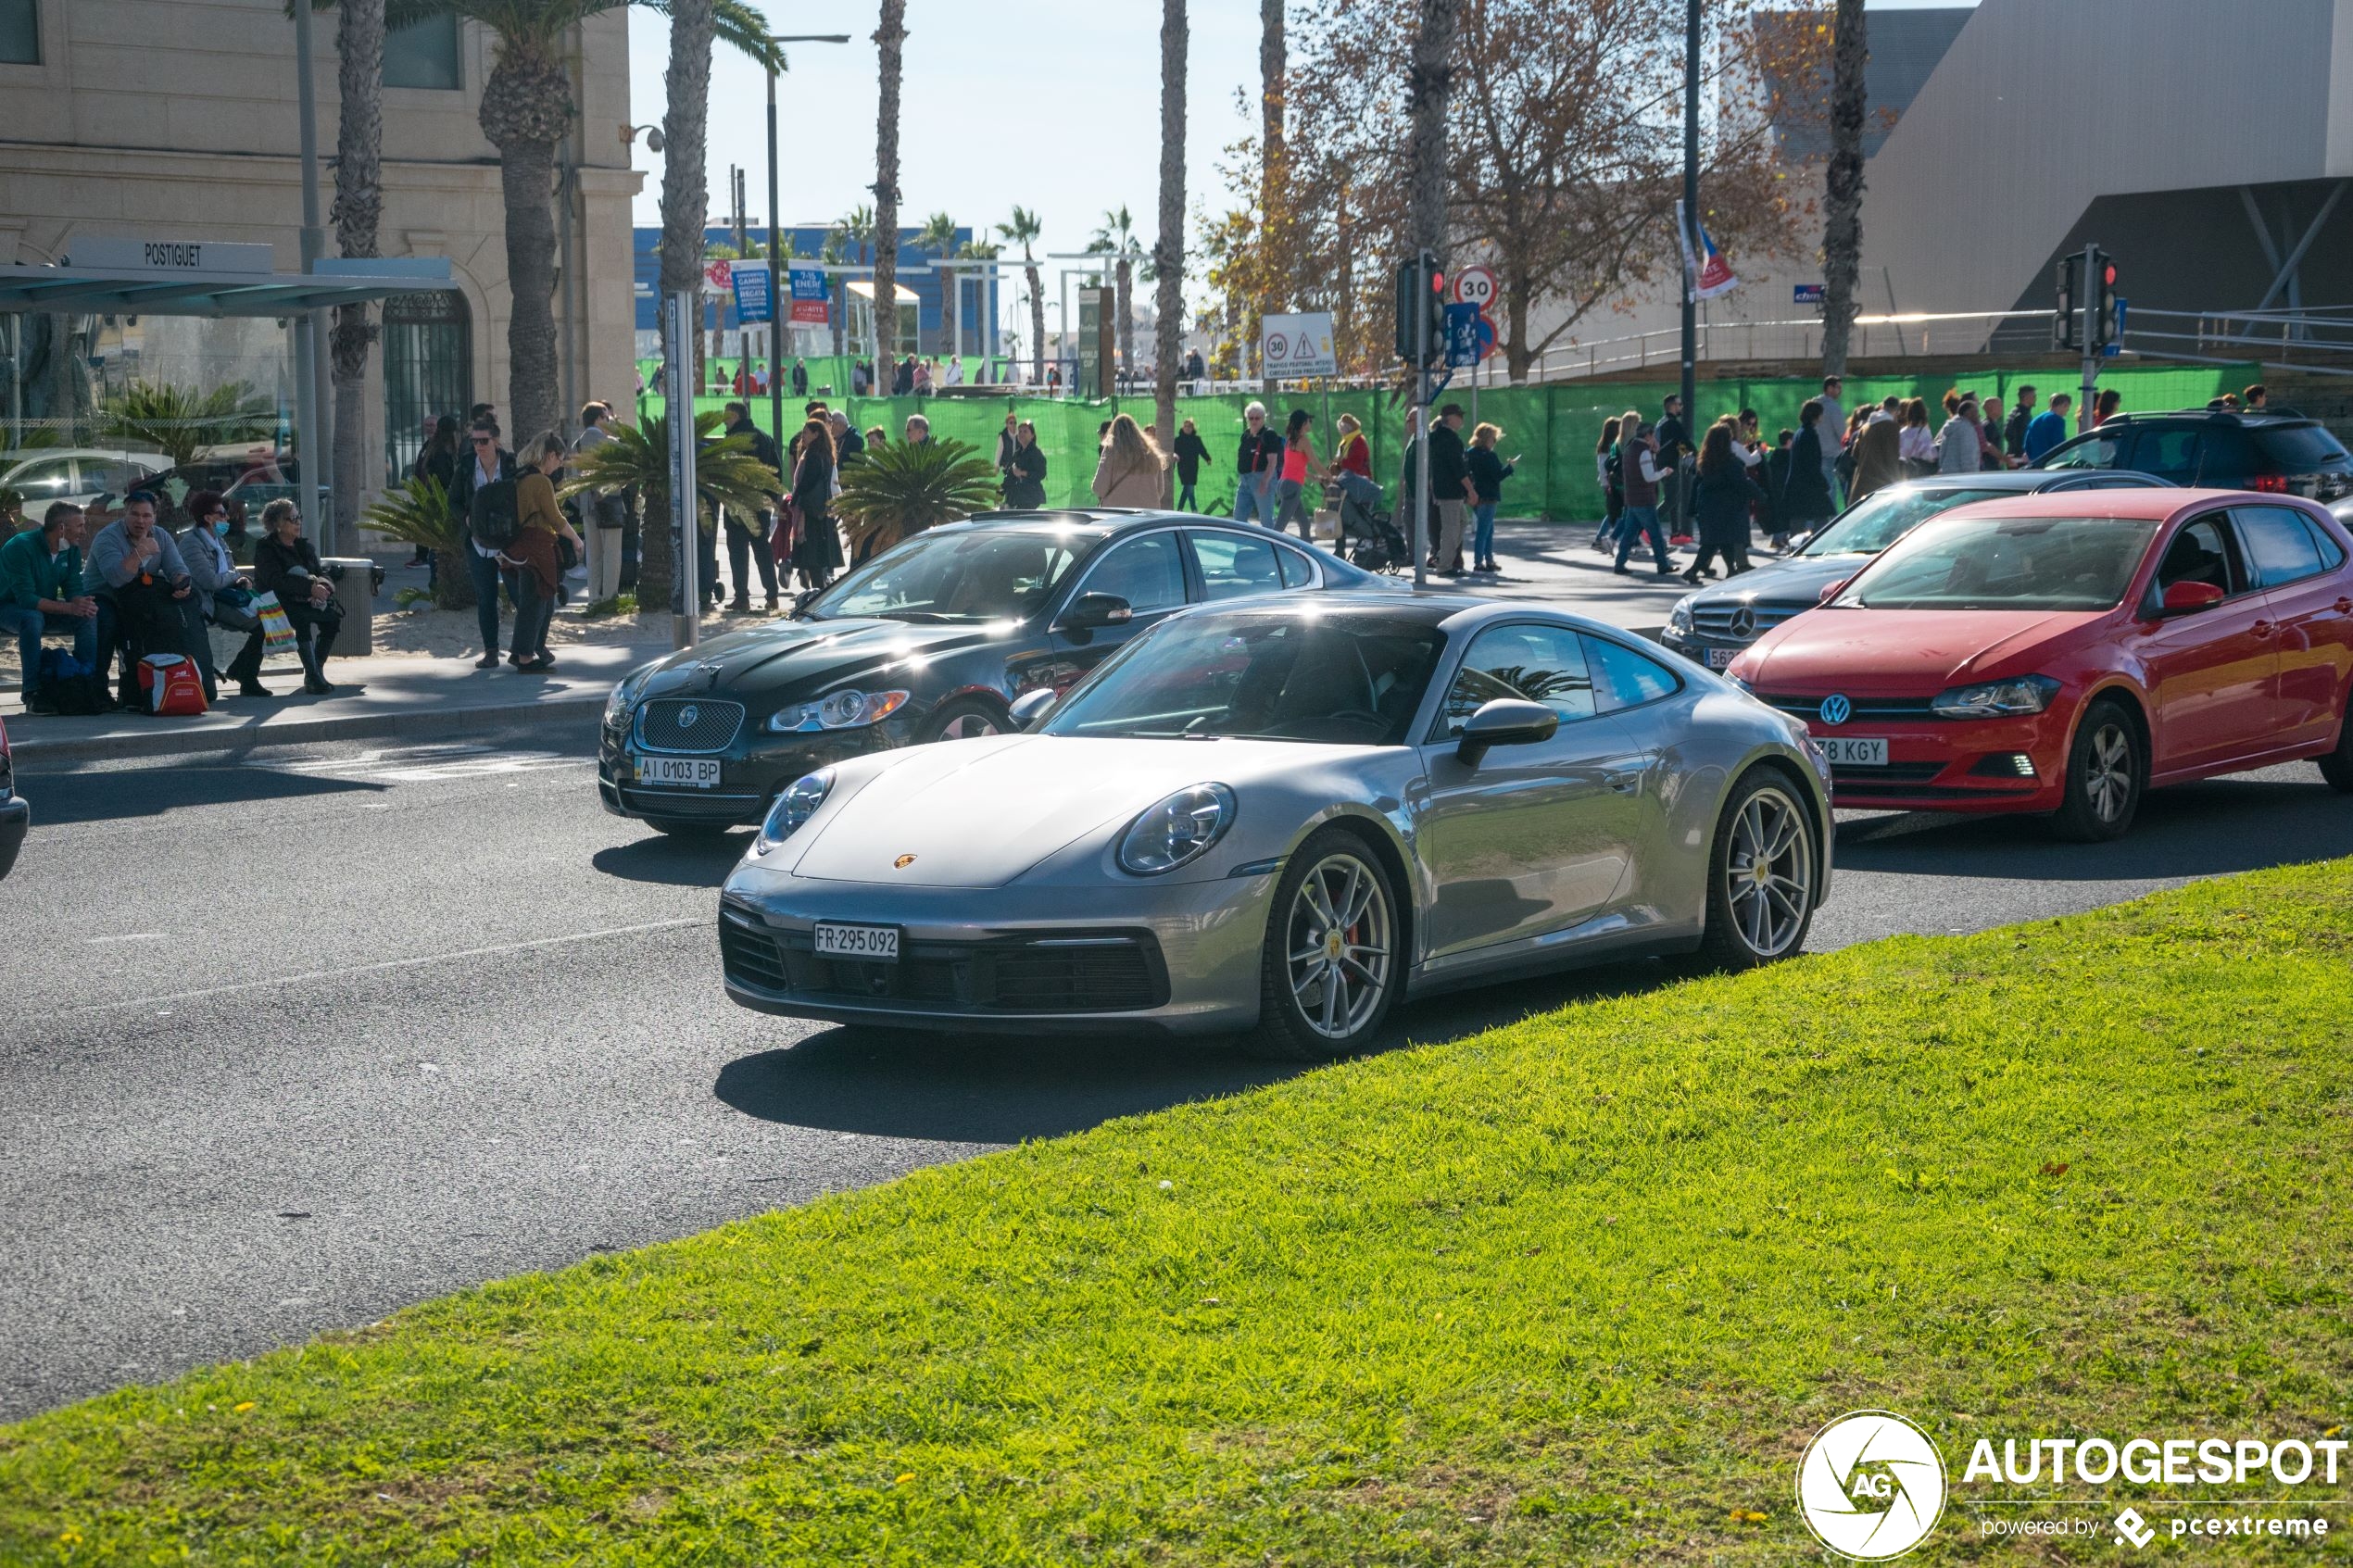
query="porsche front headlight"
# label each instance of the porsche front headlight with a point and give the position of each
(1178, 829)
(794, 807)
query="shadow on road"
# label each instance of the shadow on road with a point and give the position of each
(674, 862)
(2278, 817)
(128, 793)
(986, 1088)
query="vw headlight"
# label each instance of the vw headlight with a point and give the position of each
(797, 805)
(1678, 620)
(1178, 829)
(845, 710)
(1996, 699)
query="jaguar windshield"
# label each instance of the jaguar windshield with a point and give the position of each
(2052, 564)
(955, 577)
(1353, 680)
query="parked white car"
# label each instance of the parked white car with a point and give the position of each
(74, 473)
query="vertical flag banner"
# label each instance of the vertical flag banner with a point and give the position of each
(1706, 274)
(811, 303)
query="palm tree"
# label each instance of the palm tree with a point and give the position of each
(1168, 251)
(726, 474)
(526, 109)
(890, 40)
(360, 123)
(1021, 228)
(939, 236)
(1117, 237)
(417, 511)
(176, 421)
(903, 488)
(1843, 205)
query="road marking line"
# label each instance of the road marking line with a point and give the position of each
(499, 951)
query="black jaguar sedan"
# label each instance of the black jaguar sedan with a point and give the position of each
(930, 641)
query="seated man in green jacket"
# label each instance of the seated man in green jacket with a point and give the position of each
(40, 591)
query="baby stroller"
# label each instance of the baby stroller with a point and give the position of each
(1380, 548)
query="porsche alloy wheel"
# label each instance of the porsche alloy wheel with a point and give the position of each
(1763, 876)
(1332, 962)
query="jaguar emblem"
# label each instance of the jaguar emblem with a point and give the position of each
(1836, 708)
(687, 715)
(902, 863)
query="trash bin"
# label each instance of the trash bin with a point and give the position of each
(355, 581)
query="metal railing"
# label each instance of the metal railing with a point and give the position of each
(1875, 336)
(2320, 339)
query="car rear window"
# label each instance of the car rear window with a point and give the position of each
(2300, 449)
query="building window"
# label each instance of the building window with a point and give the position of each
(428, 350)
(19, 33)
(424, 54)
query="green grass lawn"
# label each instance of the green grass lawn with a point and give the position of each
(1574, 1290)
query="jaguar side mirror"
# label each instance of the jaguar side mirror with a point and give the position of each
(1090, 610)
(1032, 706)
(2188, 598)
(1504, 722)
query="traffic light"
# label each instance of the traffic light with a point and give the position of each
(1421, 307)
(2107, 323)
(2069, 284)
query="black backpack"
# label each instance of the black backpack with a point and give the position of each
(69, 686)
(492, 517)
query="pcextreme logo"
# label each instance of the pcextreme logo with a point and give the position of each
(1871, 1485)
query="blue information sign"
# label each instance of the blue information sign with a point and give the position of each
(755, 300)
(1461, 334)
(1805, 294)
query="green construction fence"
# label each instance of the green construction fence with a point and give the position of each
(1551, 429)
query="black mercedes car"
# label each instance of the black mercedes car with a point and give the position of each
(932, 640)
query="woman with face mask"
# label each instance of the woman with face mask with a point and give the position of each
(222, 595)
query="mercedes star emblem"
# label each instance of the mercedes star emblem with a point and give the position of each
(1836, 710)
(1744, 621)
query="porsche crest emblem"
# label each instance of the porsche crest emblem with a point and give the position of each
(902, 863)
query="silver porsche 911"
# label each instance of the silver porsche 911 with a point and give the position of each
(1281, 816)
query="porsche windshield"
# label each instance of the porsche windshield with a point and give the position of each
(1880, 519)
(2056, 563)
(1342, 680)
(955, 577)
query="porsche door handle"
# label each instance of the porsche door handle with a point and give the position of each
(2264, 628)
(2343, 607)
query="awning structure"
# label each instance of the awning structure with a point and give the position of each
(174, 291)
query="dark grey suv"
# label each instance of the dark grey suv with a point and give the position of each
(1712, 626)
(2282, 453)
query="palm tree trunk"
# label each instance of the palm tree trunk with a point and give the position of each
(1272, 67)
(686, 208)
(1037, 323)
(1168, 252)
(526, 108)
(360, 50)
(1123, 281)
(1426, 87)
(1843, 205)
(890, 40)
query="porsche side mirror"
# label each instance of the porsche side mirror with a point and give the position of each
(2188, 598)
(1032, 706)
(1090, 610)
(1832, 590)
(1504, 722)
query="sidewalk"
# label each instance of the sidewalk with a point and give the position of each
(396, 695)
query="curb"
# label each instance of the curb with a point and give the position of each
(33, 752)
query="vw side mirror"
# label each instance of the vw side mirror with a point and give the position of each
(2188, 598)
(1090, 610)
(1832, 590)
(1504, 722)
(1033, 705)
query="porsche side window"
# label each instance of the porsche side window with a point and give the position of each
(1624, 678)
(2201, 553)
(1232, 565)
(1146, 572)
(1531, 663)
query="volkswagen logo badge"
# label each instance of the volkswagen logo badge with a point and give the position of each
(1836, 710)
(688, 714)
(1744, 621)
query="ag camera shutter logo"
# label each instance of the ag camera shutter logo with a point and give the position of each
(1871, 1485)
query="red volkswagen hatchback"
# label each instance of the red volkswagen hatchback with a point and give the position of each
(2064, 653)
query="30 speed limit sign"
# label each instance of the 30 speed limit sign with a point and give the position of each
(1474, 285)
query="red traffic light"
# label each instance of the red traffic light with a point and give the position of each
(2108, 275)
(1436, 282)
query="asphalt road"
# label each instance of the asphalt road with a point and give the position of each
(297, 1039)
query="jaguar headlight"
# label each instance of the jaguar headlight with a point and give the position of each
(794, 807)
(1996, 699)
(617, 706)
(846, 709)
(1178, 829)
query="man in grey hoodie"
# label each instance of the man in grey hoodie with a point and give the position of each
(140, 579)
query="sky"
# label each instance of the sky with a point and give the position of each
(1050, 104)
